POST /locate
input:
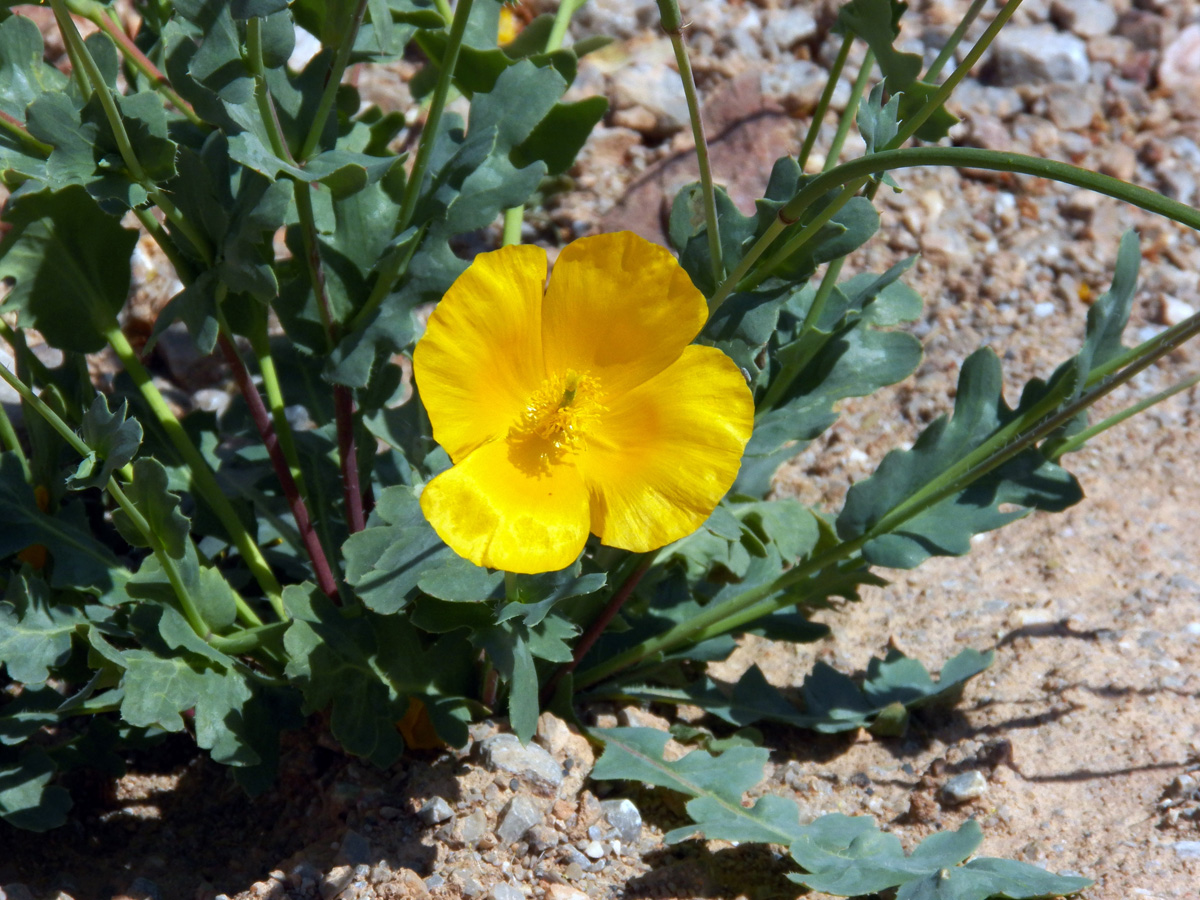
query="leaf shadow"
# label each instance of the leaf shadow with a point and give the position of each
(692, 869)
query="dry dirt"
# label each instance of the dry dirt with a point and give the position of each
(1094, 616)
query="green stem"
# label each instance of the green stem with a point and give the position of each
(956, 36)
(72, 38)
(994, 160)
(333, 81)
(513, 217)
(10, 442)
(851, 110)
(803, 236)
(783, 381)
(14, 127)
(203, 478)
(96, 14)
(248, 640)
(958, 157)
(562, 20)
(433, 121)
(154, 228)
(116, 123)
(260, 343)
(253, 59)
(393, 267)
(443, 7)
(818, 116)
(169, 567)
(22, 355)
(911, 125)
(1075, 441)
(672, 24)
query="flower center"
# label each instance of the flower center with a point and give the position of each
(560, 410)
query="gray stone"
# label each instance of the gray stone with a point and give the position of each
(656, 90)
(434, 811)
(355, 850)
(471, 828)
(520, 814)
(797, 84)
(335, 881)
(1087, 18)
(1036, 55)
(965, 787)
(1187, 849)
(504, 753)
(623, 815)
(1073, 106)
(16, 891)
(542, 838)
(621, 19)
(505, 892)
(785, 28)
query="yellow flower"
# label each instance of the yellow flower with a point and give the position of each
(577, 407)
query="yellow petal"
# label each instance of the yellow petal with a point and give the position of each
(620, 308)
(481, 355)
(507, 507)
(663, 455)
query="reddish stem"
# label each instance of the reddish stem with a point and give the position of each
(143, 63)
(599, 624)
(343, 404)
(266, 429)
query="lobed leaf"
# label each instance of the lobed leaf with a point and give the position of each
(68, 261)
(112, 439)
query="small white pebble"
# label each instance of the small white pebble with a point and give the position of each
(1044, 309)
(1174, 310)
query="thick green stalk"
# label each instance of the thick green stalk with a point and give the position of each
(391, 269)
(170, 569)
(333, 81)
(9, 441)
(253, 58)
(1075, 441)
(818, 116)
(104, 18)
(956, 36)
(782, 381)
(850, 112)
(562, 20)
(993, 160)
(910, 125)
(260, 343)
(72, 38)
(14, 127)
(513, 218)
(672, 24)
(203, 478)
(80, 53)
(959, 157)
(433, 121)
(803, 236)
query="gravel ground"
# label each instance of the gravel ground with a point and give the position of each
(1085, 733)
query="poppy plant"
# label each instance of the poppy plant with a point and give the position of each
(575, 407)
